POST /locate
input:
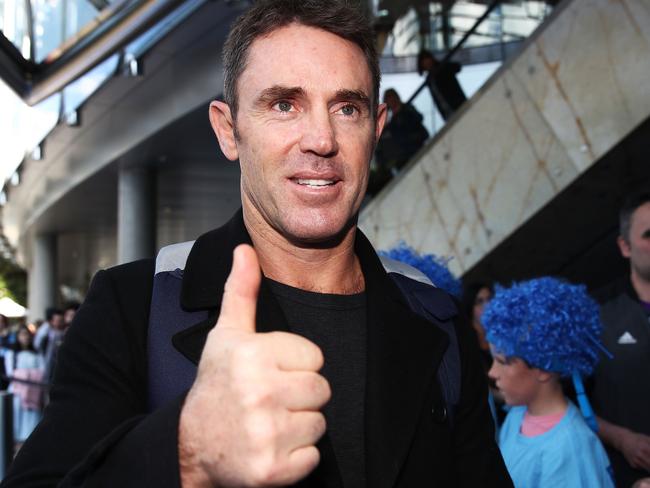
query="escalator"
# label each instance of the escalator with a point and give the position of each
(527, 176)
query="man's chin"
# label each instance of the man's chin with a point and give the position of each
(322, 236)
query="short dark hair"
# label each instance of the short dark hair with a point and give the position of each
(630, 205)
(72, 305)
(266, 16)
(468, 299)
(391, 92)
(422, 55)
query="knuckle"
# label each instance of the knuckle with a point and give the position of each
(319, 387)
(254, 395)
(327, 389)
(264, 469)
(319, 425)
(262, 433)
(318, 358)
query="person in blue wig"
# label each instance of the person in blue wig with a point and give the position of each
(433, 267)
(540, 331)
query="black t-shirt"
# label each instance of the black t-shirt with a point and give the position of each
(337, 324)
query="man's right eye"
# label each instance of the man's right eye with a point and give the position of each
(284, 106)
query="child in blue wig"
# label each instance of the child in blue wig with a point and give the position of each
(540, 331)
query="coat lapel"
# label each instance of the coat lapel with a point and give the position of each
(208, 267)
(403, 354)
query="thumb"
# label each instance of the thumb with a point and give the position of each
(239, 302)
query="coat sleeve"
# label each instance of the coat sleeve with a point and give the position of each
(478, 458)
(96, 430)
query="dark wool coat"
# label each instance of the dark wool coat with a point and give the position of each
(97, 430)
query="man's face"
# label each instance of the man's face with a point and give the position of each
(305, 133)
(637, 248)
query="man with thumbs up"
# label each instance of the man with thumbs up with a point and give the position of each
(275, 350)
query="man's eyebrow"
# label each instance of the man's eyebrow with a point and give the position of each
(278, 92)
(353, 96)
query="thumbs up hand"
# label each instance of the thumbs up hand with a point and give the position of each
(252, 417)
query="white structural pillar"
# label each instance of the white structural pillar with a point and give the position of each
(42, 280)
(135, 215)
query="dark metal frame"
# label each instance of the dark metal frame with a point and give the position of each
(450, 54)
(34, 82)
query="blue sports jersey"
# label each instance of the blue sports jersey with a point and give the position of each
(569, 455)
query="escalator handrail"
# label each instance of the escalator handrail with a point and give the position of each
(452, 52)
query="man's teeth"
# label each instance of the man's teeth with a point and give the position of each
(315, 182)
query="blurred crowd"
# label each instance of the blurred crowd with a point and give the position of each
(28, 352)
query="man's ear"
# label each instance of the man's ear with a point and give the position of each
(382, 112)
(624, 246)
(224, 128)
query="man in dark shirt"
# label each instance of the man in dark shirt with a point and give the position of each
(621, 392)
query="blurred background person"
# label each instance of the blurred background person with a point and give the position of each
(7, 342)
(24, 363)
(621, 387)
(69, 312)
(475, 297)
(445, 90)
(402, 137)
(48, 339)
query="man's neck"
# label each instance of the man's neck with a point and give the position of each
(641, 286)
(334, 269)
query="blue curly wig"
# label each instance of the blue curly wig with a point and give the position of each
(433, 267)
(551, 324)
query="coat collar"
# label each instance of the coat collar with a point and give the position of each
(403, 349)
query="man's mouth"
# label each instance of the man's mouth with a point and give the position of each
(314, 183)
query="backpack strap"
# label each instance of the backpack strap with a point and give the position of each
(169, 372)
(436, 306)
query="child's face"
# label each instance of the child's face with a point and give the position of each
(515, 379)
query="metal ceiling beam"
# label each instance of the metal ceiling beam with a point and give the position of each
(97, 46)
(35, 82)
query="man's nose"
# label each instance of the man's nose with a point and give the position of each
(319, 135)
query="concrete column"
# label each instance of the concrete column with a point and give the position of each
(135, 215)
(42, 280)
